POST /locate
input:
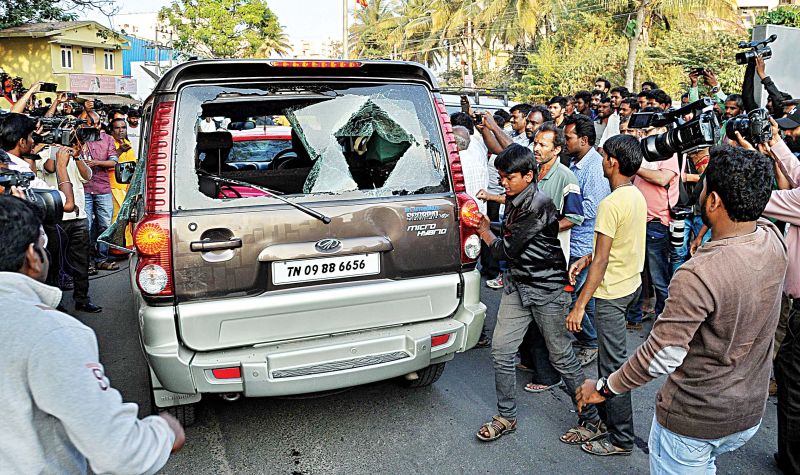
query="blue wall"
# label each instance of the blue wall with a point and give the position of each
(138, 53)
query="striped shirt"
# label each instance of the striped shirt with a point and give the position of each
(594, 187)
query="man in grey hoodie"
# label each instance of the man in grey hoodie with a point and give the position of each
(61, 414)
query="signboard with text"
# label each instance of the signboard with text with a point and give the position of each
(91, 83)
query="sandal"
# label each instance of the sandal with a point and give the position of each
(585, 432)
(541, 387)
(604, 448)
(498, 427)
(484, 343)
(107, 265)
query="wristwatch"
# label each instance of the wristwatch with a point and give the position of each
(603, 389)
(715, 89)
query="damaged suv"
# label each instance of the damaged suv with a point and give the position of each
(344, 255)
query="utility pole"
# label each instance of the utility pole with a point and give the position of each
(345, 42)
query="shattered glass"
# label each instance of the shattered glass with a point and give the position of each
(367, 140)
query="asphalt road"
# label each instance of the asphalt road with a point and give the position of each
(382, 428)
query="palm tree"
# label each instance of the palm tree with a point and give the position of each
(275, 45)
(647, 10)
(369, 34)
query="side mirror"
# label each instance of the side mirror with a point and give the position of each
(123, 172)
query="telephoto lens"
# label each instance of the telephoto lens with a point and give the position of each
(677, 228)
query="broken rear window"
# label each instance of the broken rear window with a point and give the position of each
(305, 140)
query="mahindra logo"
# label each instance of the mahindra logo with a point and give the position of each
(328, 245)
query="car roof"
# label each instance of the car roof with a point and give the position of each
(212, 70)
(269, 132)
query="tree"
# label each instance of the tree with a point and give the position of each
(649, 10)
(369, 34)
(784, 15)
(18, 12)
(226, 28)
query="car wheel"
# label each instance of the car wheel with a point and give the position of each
(426, 376)
(185, 414)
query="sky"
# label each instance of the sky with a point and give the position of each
(312, 20)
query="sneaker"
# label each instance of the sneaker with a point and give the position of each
(495, 283)
(586, 355)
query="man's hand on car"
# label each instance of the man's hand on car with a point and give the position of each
(177, 428)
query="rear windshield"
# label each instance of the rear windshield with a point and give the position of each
(336, 140)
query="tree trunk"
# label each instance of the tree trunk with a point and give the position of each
(633, 44)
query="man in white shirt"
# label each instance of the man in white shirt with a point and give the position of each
(474, 165)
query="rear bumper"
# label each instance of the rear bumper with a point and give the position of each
(314, 364)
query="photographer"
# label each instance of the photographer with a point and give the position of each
(22, 103)
(16, 139)
(62, 415)
(756, 66)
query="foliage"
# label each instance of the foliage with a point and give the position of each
(496, 78)
(369, 35)
(784, 15)
(585, 46)
(226, 28)
(18, 12)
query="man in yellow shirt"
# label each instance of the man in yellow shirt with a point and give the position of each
(125, 153)
(615, 283)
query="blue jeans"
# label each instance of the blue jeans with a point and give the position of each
(679, 255)
(587, 337)
(99, 208)
(657, 266)
(674, 454)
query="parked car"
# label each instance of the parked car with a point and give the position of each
(352, 261)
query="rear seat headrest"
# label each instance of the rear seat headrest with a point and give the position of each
(214, 140)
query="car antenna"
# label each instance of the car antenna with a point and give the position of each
(270, 193)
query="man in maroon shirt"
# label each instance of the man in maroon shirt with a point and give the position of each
(101, 156)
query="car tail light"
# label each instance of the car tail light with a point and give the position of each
(227, 373)
(440, 340)
(468, 224)
(152, 235)
(452, 150)
(316, 64)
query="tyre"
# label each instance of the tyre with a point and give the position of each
(427, 376)
(184, 414)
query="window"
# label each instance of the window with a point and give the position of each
(108, 59)
(66, 57)
(340, 141)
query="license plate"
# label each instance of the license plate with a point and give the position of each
(325, 268)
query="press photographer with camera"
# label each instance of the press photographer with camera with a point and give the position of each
(17, 140)
(61, 413)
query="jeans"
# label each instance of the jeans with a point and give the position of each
(512, 322)
(658, 268)
(612, 353)
(101, 208)
(587, 337)
(787, 375)
(534, 354)
(674, 454)
(692, 227)
(69, 251)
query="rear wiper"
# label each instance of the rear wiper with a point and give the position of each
(271, 193)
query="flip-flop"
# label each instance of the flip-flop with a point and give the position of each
(542, 389)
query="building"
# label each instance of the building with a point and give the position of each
(80, 56)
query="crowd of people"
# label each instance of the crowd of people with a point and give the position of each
(82, 171)
(588, 240)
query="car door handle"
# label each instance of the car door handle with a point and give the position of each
(208, 245)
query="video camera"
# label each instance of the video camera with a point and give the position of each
(48, 202)
(756, 48)
(753, 126)
(700, 132)
(63, 131)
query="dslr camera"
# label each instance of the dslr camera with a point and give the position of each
(753, 126)
(65, 132)
(755, 48)
(700, 132)
(48, 202)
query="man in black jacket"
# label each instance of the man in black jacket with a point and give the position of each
(536, 290)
